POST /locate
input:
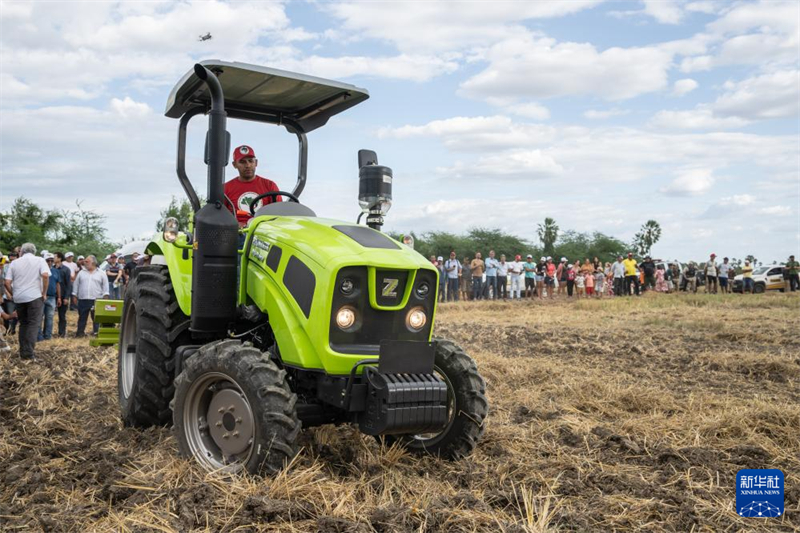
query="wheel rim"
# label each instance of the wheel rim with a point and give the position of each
(219, 423)
(427, 438)
(127, 348)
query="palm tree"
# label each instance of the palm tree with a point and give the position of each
(548, 233)
(647, 237)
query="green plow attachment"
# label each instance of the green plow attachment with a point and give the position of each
(107, 313)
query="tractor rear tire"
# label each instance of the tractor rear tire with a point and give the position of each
(153, 326)
(234, 410)
(468, 407)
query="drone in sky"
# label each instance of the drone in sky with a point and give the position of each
(205, 37)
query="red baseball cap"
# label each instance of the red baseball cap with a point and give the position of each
(243, 151)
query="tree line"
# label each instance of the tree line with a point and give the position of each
(77, 230)
(83, 232)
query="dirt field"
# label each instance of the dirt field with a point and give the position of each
(623, 415)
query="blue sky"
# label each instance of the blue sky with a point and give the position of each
(601, 115)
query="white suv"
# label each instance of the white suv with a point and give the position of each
(765, 278)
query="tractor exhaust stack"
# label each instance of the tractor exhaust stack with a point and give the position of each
(216, 232)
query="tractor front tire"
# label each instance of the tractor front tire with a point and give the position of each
(153, 326)
(467, 407)
(234, 410)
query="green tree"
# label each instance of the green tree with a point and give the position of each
(27, 222)
(83, 232)
(548, 234)
(577, 246)
(180, 209)
(649, 235)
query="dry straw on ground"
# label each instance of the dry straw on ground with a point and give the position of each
(613, 415)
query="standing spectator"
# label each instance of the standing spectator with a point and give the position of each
(599, 278)
(710, 272)
(466, 279)
(608, 283)
(530, 277)
(541, 267)
(53, 300)
(580, 284)
(114, 273)
(747, 277)
(26, 282)
(723, 273)
(442, 278)
(71, 265)
(587, 267)
(618, 274)
(502, 277)
(571, 275)
(676, 276)
(453, 268)
(661, 282)
(690, 274)
(561, 276)
(477, 276)
(8, 302)
(65, 280)
(131, 265)
(516, 269)
(649, 270)
(597, 264)
(491, 274)
(90, 286)
(631, 275)
(793, 268)
(6, 317)
(588, 281)
(550, 277)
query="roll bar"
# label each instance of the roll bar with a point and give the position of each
(180, 166)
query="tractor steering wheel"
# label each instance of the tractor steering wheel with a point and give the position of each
(271, 194)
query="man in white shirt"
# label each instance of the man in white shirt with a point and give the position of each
(452, 267)
(26, 281)
(618, 269)
(515, 270)
(91, 284)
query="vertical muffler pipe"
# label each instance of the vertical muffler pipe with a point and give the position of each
(216, 232)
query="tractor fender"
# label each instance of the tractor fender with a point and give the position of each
(179, 264)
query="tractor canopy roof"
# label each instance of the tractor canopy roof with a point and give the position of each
(300, 102)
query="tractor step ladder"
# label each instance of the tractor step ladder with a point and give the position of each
(107, 313)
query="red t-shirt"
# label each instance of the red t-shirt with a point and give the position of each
(242, 193)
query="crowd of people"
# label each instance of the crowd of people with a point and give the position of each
(493, 278)
(39, 287)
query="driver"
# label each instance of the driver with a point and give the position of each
(243, 189)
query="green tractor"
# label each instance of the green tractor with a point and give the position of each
(238, 337)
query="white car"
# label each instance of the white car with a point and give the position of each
(765, 278)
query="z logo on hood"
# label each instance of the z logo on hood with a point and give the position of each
(390, 288)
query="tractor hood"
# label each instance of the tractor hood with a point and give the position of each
(330, 242)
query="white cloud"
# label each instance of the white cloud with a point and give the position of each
(692, 182)
(738, 199)
(700, 118)
(530, 110)
(434, 27)
(528, 66)
(594, 114)
(473, 134)
(774, 95)
(664, 11)
(776, 210)
(405, 67)
(129, 108)
(511, 164)
(684, 86)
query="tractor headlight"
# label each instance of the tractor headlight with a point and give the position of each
(346, 317)
(171, 229)
(416, 319)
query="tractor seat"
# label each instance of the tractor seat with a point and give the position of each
(285, 209)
